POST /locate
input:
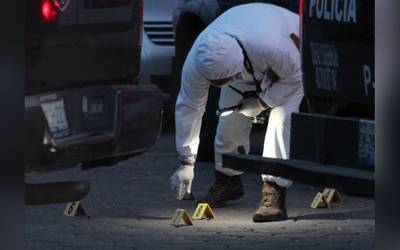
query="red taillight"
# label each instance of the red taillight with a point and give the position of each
(301, 6)
(49, 11)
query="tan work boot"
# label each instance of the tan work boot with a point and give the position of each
(272, 206)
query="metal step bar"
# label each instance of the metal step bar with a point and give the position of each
(353, 181)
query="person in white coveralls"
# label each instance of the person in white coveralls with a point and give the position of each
(250, 47)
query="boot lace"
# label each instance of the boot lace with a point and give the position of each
(269, 200)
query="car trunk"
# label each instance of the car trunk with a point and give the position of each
(81, 43)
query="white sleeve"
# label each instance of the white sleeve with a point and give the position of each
(189, 110)
(285, 62)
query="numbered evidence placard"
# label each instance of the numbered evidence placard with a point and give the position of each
(203, 210)
(75, 208)
(181, 218)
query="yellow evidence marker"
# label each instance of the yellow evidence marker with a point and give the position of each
(75, 208)
(181, 218)
(203, 210)
(319, 200)
(332, 195)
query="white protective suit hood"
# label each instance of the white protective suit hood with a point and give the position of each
(264, 31)
(218, 56)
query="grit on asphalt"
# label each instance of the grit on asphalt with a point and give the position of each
(131, 206)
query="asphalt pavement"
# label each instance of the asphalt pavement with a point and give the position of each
(131, 206)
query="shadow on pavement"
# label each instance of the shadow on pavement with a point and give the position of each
(135, 216)
(360, 214)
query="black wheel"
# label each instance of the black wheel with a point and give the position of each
(187, 31)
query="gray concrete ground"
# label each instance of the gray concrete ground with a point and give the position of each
(131, 208)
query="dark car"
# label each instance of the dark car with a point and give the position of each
(83, 103)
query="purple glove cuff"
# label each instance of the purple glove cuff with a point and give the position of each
(187, 160)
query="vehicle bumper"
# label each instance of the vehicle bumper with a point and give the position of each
(130, 123)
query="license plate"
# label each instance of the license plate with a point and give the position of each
(56, 119)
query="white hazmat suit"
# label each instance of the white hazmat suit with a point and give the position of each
(264, 32)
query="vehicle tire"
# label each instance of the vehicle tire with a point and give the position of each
(186, 33)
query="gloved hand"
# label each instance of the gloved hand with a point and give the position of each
(181, 181)
(251, 107)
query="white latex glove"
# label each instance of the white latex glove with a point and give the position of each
(181, 181)
(251, 107)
